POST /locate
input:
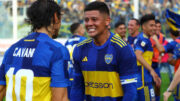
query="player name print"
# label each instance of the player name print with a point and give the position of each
(23, 52)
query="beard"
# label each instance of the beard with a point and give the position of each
(55, 35)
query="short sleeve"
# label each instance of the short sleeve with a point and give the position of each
(141, 45)
(170, 47)
(2, 75)
(2, 70)
(59, 69)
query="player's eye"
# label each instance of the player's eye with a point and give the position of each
(94, 19)
(86, 19)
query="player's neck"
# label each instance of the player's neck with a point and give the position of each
(101, 39)
(144, 32)
(44, 30)
(135, 34)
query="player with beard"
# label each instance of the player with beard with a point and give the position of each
(35, 67)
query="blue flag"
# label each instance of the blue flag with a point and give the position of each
(173, 19)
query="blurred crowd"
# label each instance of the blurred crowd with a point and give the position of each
(73, 11)
(120, 9)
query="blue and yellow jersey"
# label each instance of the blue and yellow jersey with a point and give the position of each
(70, 45)
(144, 44)
(131, 40)
(32, 66)
(169, 48)
(72, 42)
(102, 71)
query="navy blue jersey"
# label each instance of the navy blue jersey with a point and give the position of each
(131, 40)
(170, 47)
(101, 72)
(71, 44)
(144, 44)
(176, 54)
(33, 65)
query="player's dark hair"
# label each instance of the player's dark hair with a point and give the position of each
(174, 33)
(74, 27)
(41, 13)
(137, 21)
(146, 18)
(157, 21)
(119, 23)
(97, 5)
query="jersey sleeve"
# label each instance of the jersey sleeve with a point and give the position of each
(2, 75)
(170, 47)
(128, 72)
(78, 87)
(140, 45)
(59, 73)
(2, 70)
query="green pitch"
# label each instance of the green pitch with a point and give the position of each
(165, 83)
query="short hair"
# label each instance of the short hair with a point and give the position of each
(41, 13)
(174, 32)
(157, 21)
(74, 27)
(119, 23)
(146, 18)
(137, 21)
(97, 5)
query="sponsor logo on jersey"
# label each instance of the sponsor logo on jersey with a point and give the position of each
(98, 85)
(108, 58)
(85, 59)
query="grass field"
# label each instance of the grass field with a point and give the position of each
(164, 86)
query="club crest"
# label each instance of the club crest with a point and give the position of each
(108, 58)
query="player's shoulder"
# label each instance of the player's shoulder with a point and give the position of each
(117, 41)
(143, 38)
(85, 42)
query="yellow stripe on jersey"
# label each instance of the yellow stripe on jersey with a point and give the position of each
(41, 88)
(29, 40)
(147, 55)
(102, 84)
(116, 43)
(146, 93)
(142, 71)
(83, 42)
(120, 39)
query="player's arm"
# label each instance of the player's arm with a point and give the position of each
(59, 94)
(159, 46)
(59, 75)
(128, 73)
(141, 46)
(174, 83)
(2, 92)
(78, 88)
(140, 58)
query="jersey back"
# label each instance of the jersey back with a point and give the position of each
(33, 65)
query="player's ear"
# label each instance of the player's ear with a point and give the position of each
(56, 19)
(108, 20)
